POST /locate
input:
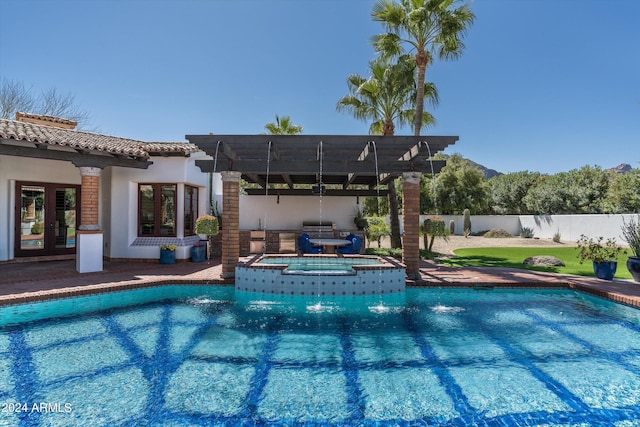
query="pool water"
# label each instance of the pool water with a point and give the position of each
(326, 265)
(215, 356)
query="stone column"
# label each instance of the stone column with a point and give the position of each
(89, 238)
(230, 223)
(411, 223)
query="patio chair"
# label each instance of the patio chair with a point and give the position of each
(354, 247)
(306, 246)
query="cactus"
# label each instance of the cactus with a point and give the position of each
(452, 227)
(466, 220)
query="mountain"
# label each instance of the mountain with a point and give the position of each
(621, 168)
(488, 173)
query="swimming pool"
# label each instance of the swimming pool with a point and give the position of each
(213, 356)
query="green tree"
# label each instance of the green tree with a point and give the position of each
(623, 195)
(384, 99)
(509, 190)
(283, 126)
(459, 185)
(429, 28)
(579, 191)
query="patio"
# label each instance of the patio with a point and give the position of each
(24, 282)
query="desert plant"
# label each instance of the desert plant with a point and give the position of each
(557, 237)
(526, 232)
(466, 222)
(631, 235)
(598, 250)
(433, 227)
(452, 227)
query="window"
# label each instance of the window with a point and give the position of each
(190, 210)
(157, 210)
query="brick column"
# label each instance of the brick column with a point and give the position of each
(89, 237)
(230, 223)
(90, 195)
(411, 223)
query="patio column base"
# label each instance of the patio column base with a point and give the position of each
(89, 251)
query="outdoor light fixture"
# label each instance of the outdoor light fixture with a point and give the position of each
(318, 188)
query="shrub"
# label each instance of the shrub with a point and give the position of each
(497, 233)
(168, 247)
(207, 224)
(526, 232)
(37, 228)
(556, 237)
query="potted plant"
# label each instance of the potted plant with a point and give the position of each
(360, 220)
(207, 225)
(198, 252)
(603, 254)
(168, 254)
(631, 235)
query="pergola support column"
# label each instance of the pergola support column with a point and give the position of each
(230, 222)
(89, 237)
(411, 223)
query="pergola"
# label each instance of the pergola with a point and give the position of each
(350, 164)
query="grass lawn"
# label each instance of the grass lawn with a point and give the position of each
(513, 257)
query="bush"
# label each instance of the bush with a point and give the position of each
(526, 232)
(556, 237)
(392, 252)
(37, 228)
(497, 233)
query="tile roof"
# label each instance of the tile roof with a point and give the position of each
(79, 140)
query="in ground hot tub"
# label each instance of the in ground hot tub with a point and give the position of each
(321, 275)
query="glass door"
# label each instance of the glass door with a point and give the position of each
(46, 217)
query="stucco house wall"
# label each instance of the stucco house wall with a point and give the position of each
(14, 169)
(121, 239)
(257, 212)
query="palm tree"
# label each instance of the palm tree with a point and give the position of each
(386, 98)
(283, 126)
(429, 27)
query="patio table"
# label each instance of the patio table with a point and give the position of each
(330, 244)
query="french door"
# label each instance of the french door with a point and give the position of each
(46, 218)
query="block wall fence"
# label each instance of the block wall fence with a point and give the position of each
(570, 227)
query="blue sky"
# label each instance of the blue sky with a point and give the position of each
(544, 85)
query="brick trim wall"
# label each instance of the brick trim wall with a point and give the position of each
(411, 223)
(230, 222)
(89, 198)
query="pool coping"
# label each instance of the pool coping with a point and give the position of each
(133, 275)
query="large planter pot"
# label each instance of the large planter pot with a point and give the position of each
(167, 257)
(198, 253)
(633, 265)
(605, 270)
